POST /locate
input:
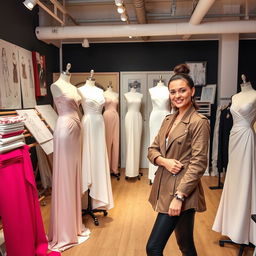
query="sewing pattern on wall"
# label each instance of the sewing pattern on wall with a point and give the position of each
(10, 95)
(27, 78)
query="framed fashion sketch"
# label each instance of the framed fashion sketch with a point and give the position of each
(10, 94)
(197, 72)
(208, 93)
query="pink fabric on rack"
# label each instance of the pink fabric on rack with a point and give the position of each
(19, 206)
(7, 135)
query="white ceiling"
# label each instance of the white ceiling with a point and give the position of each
(99, 13)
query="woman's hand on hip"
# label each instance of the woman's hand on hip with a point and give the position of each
(175, 207)
(173, 166)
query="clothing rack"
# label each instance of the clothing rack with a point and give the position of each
(91, 211)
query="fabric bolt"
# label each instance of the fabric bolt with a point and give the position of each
(11, 119)
(9, 147)
(238, 199)
(133, 131)
(11, 139)
(10, 134)
(66, 229)
(161, 108)
(111, 119)
(95, 165)
(19, 201)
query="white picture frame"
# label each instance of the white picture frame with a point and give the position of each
(208, 93)
(197, 72)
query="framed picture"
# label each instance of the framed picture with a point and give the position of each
(40, 74)
(208, 93)
(197, 72)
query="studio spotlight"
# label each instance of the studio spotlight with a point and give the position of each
(30, 4)
(123, 17)
(120, 9)
(119, 2)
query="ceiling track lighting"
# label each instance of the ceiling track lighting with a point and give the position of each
(30, 4)
(120, 9)
(124, 17)
(119, 2)
(85, 43)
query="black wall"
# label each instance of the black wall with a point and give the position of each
(141, 56)
(247, 60)
(17, 26)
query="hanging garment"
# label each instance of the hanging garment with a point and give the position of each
(226, 123)
(133, 131)
(95, 166)
(66, 219)
(111, 119)
(238, 199)
(19, 207)
(161, 108)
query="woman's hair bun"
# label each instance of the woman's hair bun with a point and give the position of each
(181, 69)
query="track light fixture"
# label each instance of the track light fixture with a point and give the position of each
(85, 43)
(123, 17)
(120, 9)
(119, 2)
(30, 4)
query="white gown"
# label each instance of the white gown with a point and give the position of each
(161, 108)
(95, 166)
(238, 200)
(133, 131)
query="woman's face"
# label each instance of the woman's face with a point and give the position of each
(181, 94)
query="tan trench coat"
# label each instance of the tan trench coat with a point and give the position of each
(188, 143)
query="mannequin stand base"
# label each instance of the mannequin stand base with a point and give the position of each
(138, 177)
(220, 184)
(117, 176)
(150, 182)
(91, 213)
(242, 246)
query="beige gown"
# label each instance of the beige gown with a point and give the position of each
(111, 119)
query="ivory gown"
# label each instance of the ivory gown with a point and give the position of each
(111, 119)
(238, 199)
(133, 130)
(161, 108)
(95, 166)
(66, 217)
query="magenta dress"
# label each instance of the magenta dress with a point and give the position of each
(19, 206)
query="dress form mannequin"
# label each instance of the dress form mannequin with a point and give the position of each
(161, 108)
(95, 166)
(66, 221)
(238, 200)
(111, 119)
(133, 130)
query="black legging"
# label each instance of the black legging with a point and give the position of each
(163, 228)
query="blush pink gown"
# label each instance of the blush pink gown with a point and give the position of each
(66, 219)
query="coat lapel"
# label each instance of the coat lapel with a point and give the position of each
(181, 128)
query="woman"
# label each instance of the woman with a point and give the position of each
(180, 150)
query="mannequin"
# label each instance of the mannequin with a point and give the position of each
(66, 221)
(95, 166)
(133, 130)
(111, 119)
(161, 108)
(238, 200)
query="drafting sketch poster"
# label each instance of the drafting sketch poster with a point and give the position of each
(38, 129)
(10, 95)
(49, 114)
(27, 78)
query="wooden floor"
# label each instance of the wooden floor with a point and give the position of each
(124, 232)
